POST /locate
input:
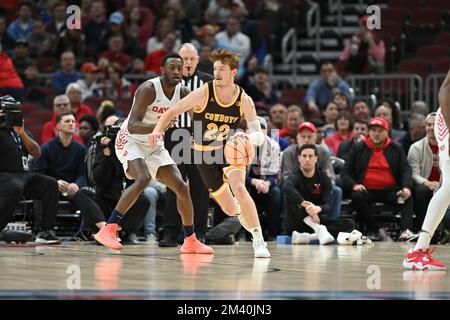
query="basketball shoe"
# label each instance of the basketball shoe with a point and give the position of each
(421, 260)
(192, 245)
(260, 249)
(107, 236)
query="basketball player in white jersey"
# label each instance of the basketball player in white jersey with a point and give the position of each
(142, 163)
(420, 258)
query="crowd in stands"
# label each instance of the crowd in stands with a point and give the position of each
(386, 160)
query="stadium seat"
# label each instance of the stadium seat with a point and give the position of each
(443, 5)
(410, 4)
(426, 17)
(44, 115)
(394, 14)
(292, 96)
(443, 38)
(415, 65)
(36, 131)
(432, 52)
(28, 107)
(441, 65)
(47, 64)
(30, 122)
(94, 102)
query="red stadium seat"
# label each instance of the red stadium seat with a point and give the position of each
(94, 102)
(44, 115)
(410, 4)
(31, 122)
(415, 65)
(432, 52)
(394, 14)
(28, 107)
(443, 5)
(292, 96)
(394, 29)
(441, 65)
(426, 17)
(36, 131)
(443, 38)
(47, 64)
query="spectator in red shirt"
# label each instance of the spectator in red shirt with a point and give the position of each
(115, 52)
(344, 127)
(61, 104)
(78, 108)
(10, 82)
(294, 117)
(377, 171)
(154, 60)
(116, 86)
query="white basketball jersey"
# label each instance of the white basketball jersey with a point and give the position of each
(155, 109)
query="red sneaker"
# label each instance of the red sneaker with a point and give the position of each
(107, 236)
(192, 245)
(421, 260)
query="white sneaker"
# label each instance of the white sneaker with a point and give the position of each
(407, 235)
(301, 238)
(324, 236)
(151, 238)
(260, 248)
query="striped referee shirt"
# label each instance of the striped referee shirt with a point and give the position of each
(193, 82)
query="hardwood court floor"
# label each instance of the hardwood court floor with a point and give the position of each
(74, 270)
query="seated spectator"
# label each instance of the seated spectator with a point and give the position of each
(154, 59)
(95, 26)
(294, 118)
(34, 86)
(10, 82)
(116, 87)
(342, 101)
(424, 162)
(40, 42)
(307, 134)
(6, 41)
(262, 182)
(205, 65)
(21, 58)
(261, 90)
(163, 28)
(71, 40)
(88, 84)
(105, 111)
(309, 200)
(321, 91)
(22, 26)
(219, 11)
(320, 126)
(234, 38)
(174, 12)
(386, 112)
(79, 109)
(377, 171)
(88, 129)
(330, 115)
(361, 107)
(61, 105)
(344, 131)
(146, 15)
(360, 129)
(15, 181)
(153, 193)
(278, 115)
(138, 31)
(115, 53)
(364, 52)
(416, 131)
(58, 24)
(420, 107)
(67, 74)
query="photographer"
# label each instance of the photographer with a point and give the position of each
(108, 178)
(15, 180)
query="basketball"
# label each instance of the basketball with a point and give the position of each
(239, 151)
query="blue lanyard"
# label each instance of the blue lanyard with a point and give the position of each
(17, 140)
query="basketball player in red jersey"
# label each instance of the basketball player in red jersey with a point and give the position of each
(420, 258)
(218, 106)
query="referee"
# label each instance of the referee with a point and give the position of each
(193, 79)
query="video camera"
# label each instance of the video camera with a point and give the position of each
(111, 133)
(12, 112)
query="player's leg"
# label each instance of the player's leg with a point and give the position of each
(236, 179)
(171, 177)
(420, 257)
(137, 170)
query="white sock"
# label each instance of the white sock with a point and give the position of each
(315, 226)
(436, 209)
(257, 234)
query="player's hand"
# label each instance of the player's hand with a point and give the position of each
(406, 193)
(432, 185)
(239, 134)
(154, 139)
(172, 123)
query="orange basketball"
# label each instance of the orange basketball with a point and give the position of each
(239, 151)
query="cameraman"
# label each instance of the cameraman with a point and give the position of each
(15, 180)
(108, 178)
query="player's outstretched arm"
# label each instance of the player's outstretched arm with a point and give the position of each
(144, 96)
(444, 99)
(255, 133)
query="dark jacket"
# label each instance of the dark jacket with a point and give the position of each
(358, 159)
(344, 149)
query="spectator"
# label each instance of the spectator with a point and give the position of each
(21, 57)
(361, 107)
(330, 114)
(360, 129)
(364, 52)
(278, 114)
(309, 199)
(15, 181)
(10, 82)
(61, 104)
(6, 41)
(262, 182)
(88, 129)
(147, 16)
(116, 86)
(22, 26)
(342, 101)
(219, 11)
(63, 158)
(96, 25)
(154, 59)
(416, 131)
(344, 131)
(205, 65)
(40, 42)
(174, 12)
(261, 90)
(275, 12)
(78, 108)
(321, 91)
(424, 162)
(115, 52)
(234, 38)
(377, 170)
(58, 24)
(67, 74)
(33, 85)
(71, 40)
(385, 112)
(88, 84)
(137, 30)
(420, 107)
(163, 28)
(294, 118)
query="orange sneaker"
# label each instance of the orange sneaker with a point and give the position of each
(107, 236)
(192, 245)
